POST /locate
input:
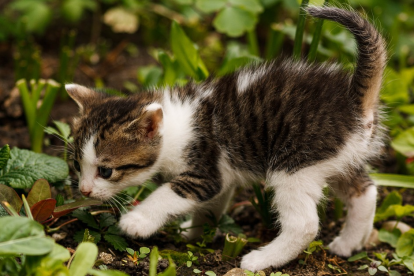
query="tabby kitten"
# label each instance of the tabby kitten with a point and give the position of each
(298, 125)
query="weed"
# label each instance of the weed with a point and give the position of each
(134, 256)
(202, 272)
(191, 258)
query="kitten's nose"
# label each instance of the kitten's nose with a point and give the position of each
(86, 193)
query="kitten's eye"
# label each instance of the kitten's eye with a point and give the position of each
(76, 165)
(105, 172)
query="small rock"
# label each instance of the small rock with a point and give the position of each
(12, 104)
(59, 236)
(106, 258)
(389, 225)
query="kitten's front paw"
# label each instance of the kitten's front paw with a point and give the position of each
(135, 224)
(342, 247)
(255, 261)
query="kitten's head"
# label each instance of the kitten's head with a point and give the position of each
(117, 140)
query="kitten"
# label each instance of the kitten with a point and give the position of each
(298, 125)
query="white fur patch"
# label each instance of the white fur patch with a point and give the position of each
(146, 218)
(247, 76)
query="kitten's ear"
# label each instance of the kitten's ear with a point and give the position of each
(82, 95)
(150, 122)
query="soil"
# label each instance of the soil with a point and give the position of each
(123, 67)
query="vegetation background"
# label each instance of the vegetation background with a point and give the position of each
(127, 46)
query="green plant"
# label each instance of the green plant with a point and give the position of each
(25, 250)
(314, 246)
(191, 258)
(42, 207)
(278, 274)
(134, 256)
(154, 256)
(202, 272)
(375, 265)
(20, 168)
(37, 117)
(233, 246)
(62, 131)
(104, 226)
(263, 204)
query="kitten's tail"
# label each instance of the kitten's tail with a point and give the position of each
(372, 55)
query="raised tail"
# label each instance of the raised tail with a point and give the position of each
(372, 55)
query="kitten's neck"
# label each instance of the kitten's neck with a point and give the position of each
(177, 131)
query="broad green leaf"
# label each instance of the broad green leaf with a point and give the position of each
(172, 70)
(186, 54)
(106, 220)
(54, 261)
(9, 194)
(409, 109)
(210, 5)
(149, 76)
(409, 263)
(35, 14)
(249, 5)
(43, 209)
(395, 89)
(403, 211)
(117, 242)
(144, 250)
(393, 198)
(234, 21)
(84, 259)
(25, 167)
(108, 272)
(67, 208)
(359, 256)
(4, 156)
(63, 128)
(372, 270)
(389, 237)
(393, 180)
(404, 143)
(85, 217)
(72, 10)
(405, 244)
(130, 251)
(21, 235)
(39, 191)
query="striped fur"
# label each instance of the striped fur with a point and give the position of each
(297, 125)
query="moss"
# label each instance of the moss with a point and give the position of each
(179, 258)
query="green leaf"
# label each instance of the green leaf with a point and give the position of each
(249, 5)
(149, 76)
(87, 235)
(96, 272)
(409, 263)
(9, 194)
(404, 142)
(359, 256)
(393, 198)
(405, 244)
(4, 156)
(72, 10)
(130, 251)
(208, 6)
(195, 270)
(39, 191)
(234, 21)
(25, 167)
(153, 261)
(186, 54)
(395, 90)
(21, 235)
(85, 217)
(35, 14)
(117, 242)
(144, 250)
(64, 130)
(106, 220)
(393, 180)
(114, 229)
(55, 258)
(67, 208)
(210, 273)
(372, 270)
(227, 224)
(389, 237)
(84, 259)
(60, 200)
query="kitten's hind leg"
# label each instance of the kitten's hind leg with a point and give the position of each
(359, 194)
(296, 198)
(216, 207)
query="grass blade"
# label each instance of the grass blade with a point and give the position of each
(316, 37)
(297, 48)
(393, 180)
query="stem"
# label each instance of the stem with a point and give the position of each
(316, 37)
(297, 48)
(339, 213)
(29, 107)
(396, 224)
(50, 230)
(253, 45)
(275, 41)
(139, 193)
